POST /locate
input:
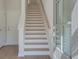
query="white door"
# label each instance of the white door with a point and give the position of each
(2, 24)
(13, 15)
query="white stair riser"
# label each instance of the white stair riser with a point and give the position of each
(34, 16)
(35, 24)
(35, 28)
(34, 12)
(35, 31)
(36, 41)
(36, 46)
(35, 36)
(36, 53)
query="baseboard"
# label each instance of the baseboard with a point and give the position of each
(20, 54)
(11, 44)
(2, 45)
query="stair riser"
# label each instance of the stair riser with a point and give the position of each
(36, 46)
(36, 41)
(35, 36)
(35, 31)
(36, 53)
(34, 16)
(34, 22)
(35, 28)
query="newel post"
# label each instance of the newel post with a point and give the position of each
(21, 28)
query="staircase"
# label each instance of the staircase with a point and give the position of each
(35, 33)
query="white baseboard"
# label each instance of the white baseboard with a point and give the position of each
(11, 43)
(20, 54)
(2, 44)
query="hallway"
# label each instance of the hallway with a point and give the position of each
(11, 52)
(38, 29)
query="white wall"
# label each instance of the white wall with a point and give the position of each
(13, 15)
(48, 7)
(74, 17)
(74, 28)
(2, 23)
(9, 18)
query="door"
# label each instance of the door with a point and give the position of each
(13, 15)
(2, 24)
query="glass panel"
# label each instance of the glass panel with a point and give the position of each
(66, 37)
(67, 28)
(63, 26)
(59, 23)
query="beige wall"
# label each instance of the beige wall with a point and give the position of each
(10, 14)
(2, 23)
(74, 32)
(13, 16)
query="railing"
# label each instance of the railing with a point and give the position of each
(21, 27)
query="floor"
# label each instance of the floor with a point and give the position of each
(11, 52)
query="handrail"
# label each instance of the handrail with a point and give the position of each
(46, 18)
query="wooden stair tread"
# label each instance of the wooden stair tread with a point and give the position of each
(35, 33)
(36, 38)
(37, 57)
(35, 29)
(33, 26)
(34, 20)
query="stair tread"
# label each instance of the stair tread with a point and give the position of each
(34, 18)
(35, 29)
(35, 33)
(35, 21)
(33, 26)
(35, 37)
(31, 15)
(37, 41)
(27, 24)
(43, 38)
(34, 15)
(34, 12)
